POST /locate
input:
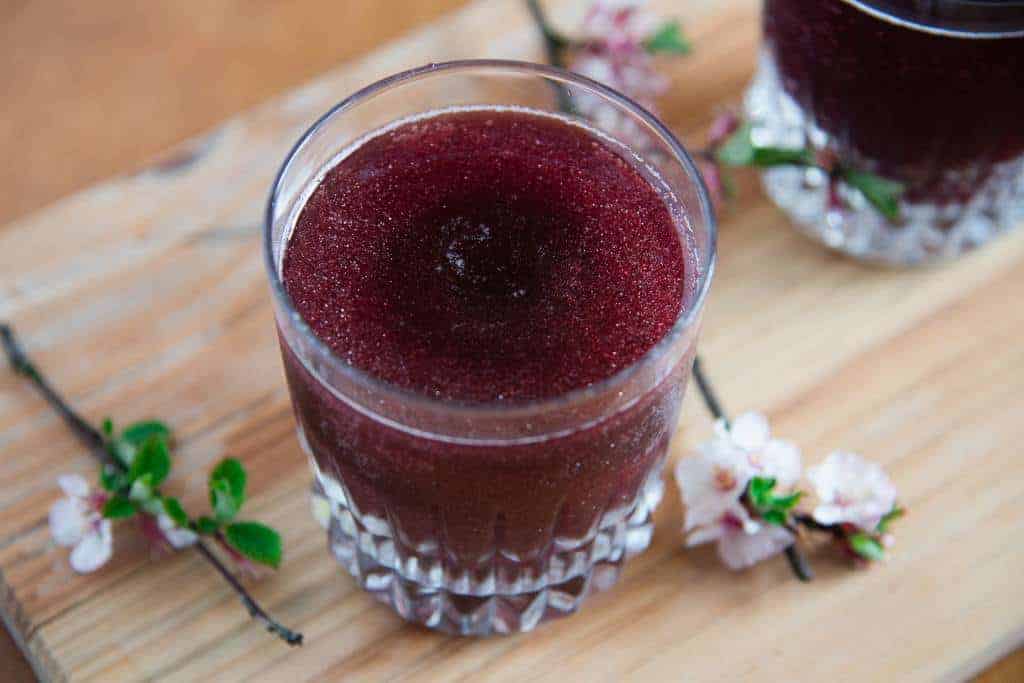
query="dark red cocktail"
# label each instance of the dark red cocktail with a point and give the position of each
(487, 317)
(927, 93)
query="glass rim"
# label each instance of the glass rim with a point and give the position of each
(979, 29)
(688, 312)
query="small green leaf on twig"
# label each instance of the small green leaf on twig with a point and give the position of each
(867, 546)
(207, 525)
(739, 150)
(231, 471)
(255, 541)
(139, 433)
(154, 459)
(174, 510)
(889, 518)
(669, 39)
(759, 489)
(111, 479)
(117, 507)
(227, 489)
(882, 193)
(781, 156)
(773, 516)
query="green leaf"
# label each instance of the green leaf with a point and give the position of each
(786, 503)
(256, 541)
(138, 433)
(781, 156)
(738, 149)
(111, 479)
(889, 518)
(882, 193)
(117, 507)
(774, 516)
(207, 525)
(225, 505)
(669, 39)
(227, 480)
(108, 427)
(867, 546)
(173, 509)
(759, 490)
(154, 459)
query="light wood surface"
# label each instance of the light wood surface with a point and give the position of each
(145, 296)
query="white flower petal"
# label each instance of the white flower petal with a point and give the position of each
(700, 478)
(781, 460)
(828, 514)
(95, 548)
(704, 534)
(175, 535)
(750, 431)
(68, 521)
(321, 509)
(73, 485)
(740, 550)
(852, 489)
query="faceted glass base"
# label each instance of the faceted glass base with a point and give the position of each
(504, 598)
(927, 232)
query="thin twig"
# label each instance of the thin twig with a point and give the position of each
(798, 563)
(255, 611)
(93, 439)
(555, 45)
(707, 392)
(88, 434)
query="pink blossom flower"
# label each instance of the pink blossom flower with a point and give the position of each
(713, 481)
(76, 522)
(614, 53)
(768, 457)
(742, 544)
(851, 490)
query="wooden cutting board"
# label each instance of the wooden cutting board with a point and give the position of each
(146, 296)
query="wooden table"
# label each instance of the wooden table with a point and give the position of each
(100, 89)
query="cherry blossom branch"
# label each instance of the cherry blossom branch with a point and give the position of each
(95, 441)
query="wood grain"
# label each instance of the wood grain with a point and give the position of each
(154, 303)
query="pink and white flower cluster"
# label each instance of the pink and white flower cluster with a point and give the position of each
(854, 496)
(713, 482)
(77, 522)
(614, 50)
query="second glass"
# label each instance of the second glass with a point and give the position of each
(930, 94)
(490, 516)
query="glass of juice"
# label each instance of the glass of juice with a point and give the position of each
(926, 93)
(487, 309)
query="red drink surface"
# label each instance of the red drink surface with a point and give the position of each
(483, 255)
(486, 255)
(934, 111)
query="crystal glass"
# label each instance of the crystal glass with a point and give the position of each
(930, 94)
(476, 518)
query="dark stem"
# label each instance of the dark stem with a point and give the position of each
(85, 432)
(93, 439)
(555, 45)
(798, 563)
(809, 522)
(707, 392)
(255, 611)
